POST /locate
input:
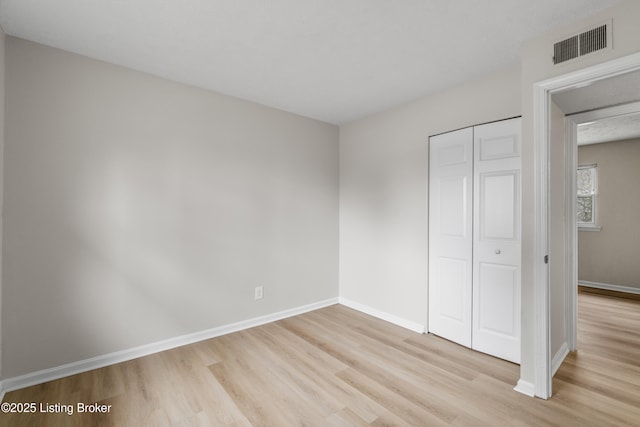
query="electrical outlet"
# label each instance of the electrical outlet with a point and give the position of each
(258, 293)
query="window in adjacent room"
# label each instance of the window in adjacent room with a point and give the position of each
(586, 209)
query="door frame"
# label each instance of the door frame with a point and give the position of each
(542, 92)
(571, 166)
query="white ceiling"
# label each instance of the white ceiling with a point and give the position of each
(611, 129)
(332, 60)
(621, 89)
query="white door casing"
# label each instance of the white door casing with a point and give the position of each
(496, 242)
(451, 235)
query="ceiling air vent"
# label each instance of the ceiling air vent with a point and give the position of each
(582, 44)
(566, 50)
(593, 40)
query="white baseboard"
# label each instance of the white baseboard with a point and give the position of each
(525, 387)
(404, 323)
(39, 377)
(608, 287)
(529, 389)
(559, 358)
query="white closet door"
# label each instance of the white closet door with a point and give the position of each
(496, 243)
(450, 238)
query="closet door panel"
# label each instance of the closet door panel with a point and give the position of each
(496, 243)
(450, 235)
(498, 215)
(496, 313)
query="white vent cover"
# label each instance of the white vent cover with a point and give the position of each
(589, 41)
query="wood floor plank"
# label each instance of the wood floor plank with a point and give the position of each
(339, 367)
(346, 418)
(408, 411)
(593, 406)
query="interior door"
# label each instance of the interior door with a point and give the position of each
(451, 234)
(496, 242)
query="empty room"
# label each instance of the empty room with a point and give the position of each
(319, 213)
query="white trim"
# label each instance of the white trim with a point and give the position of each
(571, 236)
(542, 92)
(404, 323)
(589, 228)
(559, 358)
(80, 366)
(605, 113)
(608, 287)
(541, 129)
(526, 387)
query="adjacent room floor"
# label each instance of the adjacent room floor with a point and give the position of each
(339, 367)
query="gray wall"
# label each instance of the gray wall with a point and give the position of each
(137, 209)
(2, 51)
(610, 256)
(558, 246)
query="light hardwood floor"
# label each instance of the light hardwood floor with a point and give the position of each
(338, 367)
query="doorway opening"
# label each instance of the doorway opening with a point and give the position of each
(605, 125)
